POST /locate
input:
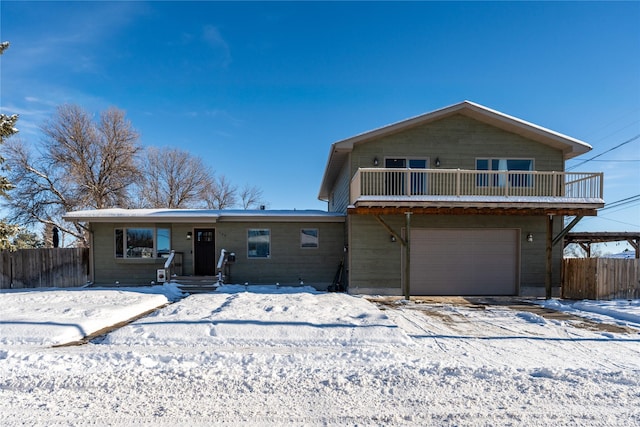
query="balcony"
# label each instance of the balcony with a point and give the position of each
(455, 188)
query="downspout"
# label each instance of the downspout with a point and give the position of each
(92, 254)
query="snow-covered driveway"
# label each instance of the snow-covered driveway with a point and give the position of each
(289, 356)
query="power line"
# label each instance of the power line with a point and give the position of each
(621, 202)
(615, 220)
(616, 161)
(602, 154)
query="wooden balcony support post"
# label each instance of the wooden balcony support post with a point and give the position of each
(407, 250)
(407, 265)
(549, 269)
(567, 229)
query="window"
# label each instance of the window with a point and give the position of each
(204, 236)
(163, 241)
(396, 180)
(499, 180)
(309, 238)
(142, 242)
(259, 243)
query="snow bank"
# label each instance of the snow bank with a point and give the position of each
(620, 312)
(263, 316)
(61, 316)
(269, 355)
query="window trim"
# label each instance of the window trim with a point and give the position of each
(124, 230)
(490, 184)
(317, 240)
(268, 256)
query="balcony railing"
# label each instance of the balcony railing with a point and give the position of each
(386, 182)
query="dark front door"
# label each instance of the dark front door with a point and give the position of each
(204, 249)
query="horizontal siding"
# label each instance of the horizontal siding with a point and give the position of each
(457, 141)
(375, 262)
(288, 262)
(339, 200)
(287, 265)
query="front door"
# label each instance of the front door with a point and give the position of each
(204, 252)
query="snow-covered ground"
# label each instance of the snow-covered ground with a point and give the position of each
(280, 356)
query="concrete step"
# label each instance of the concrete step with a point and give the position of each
(196, 284)
(194, 289)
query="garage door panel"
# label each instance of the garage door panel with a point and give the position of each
(464, 261)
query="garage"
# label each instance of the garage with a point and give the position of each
(464, 261)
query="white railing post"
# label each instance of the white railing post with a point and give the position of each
(398, 182)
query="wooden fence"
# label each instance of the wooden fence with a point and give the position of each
(601, 278)
(43, 268)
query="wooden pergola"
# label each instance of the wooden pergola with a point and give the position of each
(586, 239)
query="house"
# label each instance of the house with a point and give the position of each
(286, 247)
(463, 200)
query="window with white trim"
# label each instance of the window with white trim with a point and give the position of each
(309, 238)
(259, 243)
(142, 242)
(515, 179)
(396, 181)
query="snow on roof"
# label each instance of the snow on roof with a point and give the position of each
(199, 215)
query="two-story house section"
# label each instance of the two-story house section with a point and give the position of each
(464, 200)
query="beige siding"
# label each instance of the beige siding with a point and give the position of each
(457, 141)
(287, 265)
(109, 269)
(339, 199)
(375, 262)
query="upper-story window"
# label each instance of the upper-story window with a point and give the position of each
(499, 180)
(396, 181)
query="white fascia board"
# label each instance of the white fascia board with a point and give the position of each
(143, 215)
(281, 216)
(199, 216)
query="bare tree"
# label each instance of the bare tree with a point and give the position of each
(80, 165)
(220, 193)
(251, 197)
(172, 179)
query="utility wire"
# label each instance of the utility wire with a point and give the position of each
(602, 154)
(621, 202)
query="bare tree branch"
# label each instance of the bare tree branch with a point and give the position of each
(173, 179)
(251, 197)
(220, 194)
(80, 165)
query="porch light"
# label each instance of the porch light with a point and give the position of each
(393, 238)
(189, 234)
(375, 161)
(529, 237)
(437, 162)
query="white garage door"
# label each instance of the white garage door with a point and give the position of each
(464, 262)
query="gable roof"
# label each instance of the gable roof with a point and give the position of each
(340, 150)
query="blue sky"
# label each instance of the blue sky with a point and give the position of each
(261, 90)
